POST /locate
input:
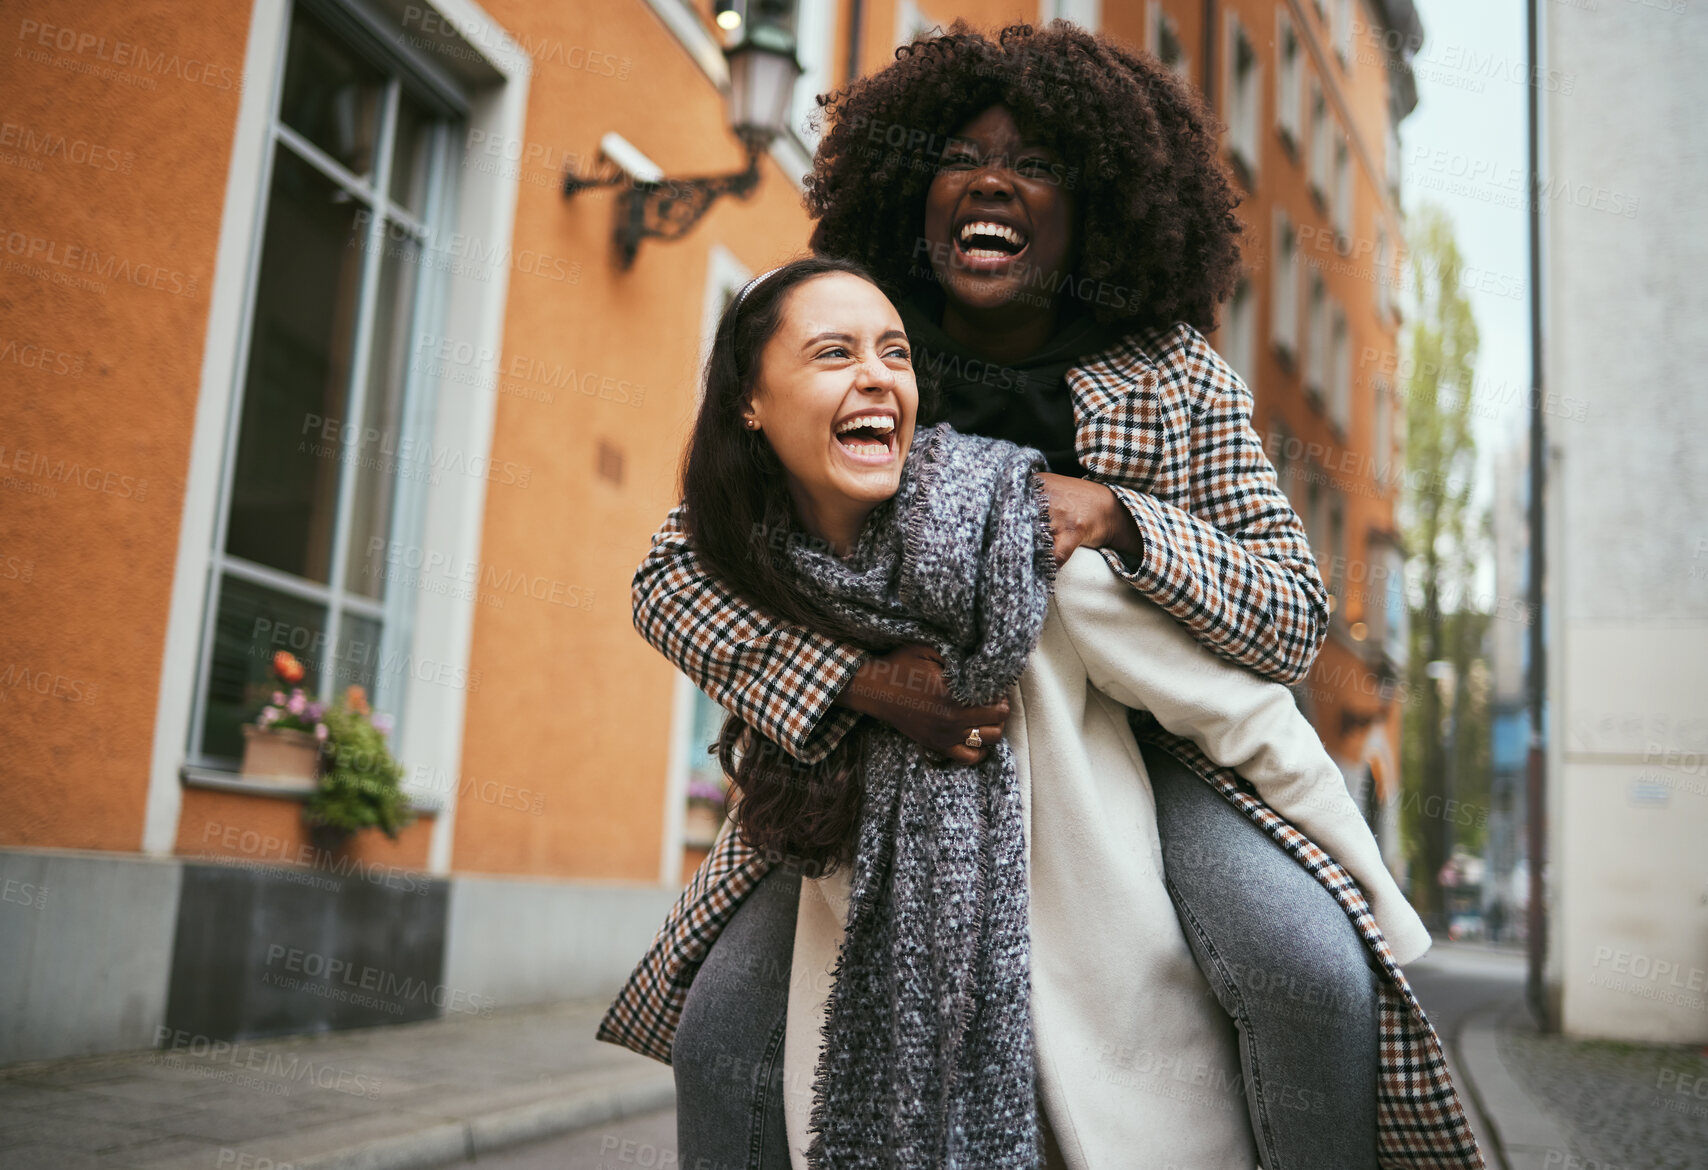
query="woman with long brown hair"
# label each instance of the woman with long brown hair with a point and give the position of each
(988, 966)
(1057, 231)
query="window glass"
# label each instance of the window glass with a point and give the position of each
(284, 492)
(322, 429)
(331, 97)
(254, 623)
(1340, 372)
(1287, 80)
(1239, 334)
(1317, 336)
(1284, 325)
(357, 662)
(1243, 109)
(381, 454)
(413, 153)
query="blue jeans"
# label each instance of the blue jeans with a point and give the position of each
(728, 1050)
(1276, 948)
(1286, 964)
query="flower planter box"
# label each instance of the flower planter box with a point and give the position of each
(279, 756)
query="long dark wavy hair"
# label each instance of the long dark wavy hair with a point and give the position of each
(1141, 151)
(740, 519)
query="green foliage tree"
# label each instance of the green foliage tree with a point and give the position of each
(1444, 540)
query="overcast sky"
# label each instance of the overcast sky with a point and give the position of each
(1463, 149)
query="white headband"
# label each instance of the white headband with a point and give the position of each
(748, 287)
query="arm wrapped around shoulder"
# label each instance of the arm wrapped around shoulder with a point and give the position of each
(781, 679)
(1224, 552)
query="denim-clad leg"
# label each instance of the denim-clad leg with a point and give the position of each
(1286, 963)
(728, 1051)
(1276, 948)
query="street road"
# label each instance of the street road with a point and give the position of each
(647, 1142)
(1454, 981)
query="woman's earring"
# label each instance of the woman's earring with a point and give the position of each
(752, 424)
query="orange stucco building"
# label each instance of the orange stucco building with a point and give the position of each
(1312, 93)
(304, 348)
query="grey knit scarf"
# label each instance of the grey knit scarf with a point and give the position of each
(927, 1058)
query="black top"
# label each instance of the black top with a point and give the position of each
(1025, 402)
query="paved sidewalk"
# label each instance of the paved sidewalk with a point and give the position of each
(1555, 1103)
(385, 1098)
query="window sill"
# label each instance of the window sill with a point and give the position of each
(219, 780)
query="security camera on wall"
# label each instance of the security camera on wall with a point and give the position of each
(626, 157)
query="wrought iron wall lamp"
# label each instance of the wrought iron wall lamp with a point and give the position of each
(762, 75)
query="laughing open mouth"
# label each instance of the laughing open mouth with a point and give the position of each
(985, 239)
(867, 436)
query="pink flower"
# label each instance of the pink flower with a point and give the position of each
(320, 732)
(298, 704)
(278, 698)
(269, 716)
(707, 790)
(382, 723)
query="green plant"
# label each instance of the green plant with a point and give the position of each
(360, 784)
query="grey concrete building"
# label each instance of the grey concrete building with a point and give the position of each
(1626, 402)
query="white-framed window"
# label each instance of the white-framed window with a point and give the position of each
(1382, 430)
(1088, 14)
(696, 778)
(1244, 95)
(910, 22)
(1335, 578)
(692, 772)
(1343, 30)
(1279, 446)
(815, 32)
(1317, 365)
(1342, 192)
(329, 448)
(1396, 622)
(1287, 83)
(1392, 149)
(1340, 370)
(1322, 143)
(1284, 288)
(1315, 518)
(1384, 275)
(1162, 40)
(1325, 529)
(1239, 333)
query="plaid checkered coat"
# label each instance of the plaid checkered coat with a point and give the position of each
(1166, 423)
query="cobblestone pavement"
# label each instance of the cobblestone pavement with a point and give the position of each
(1628, 1106)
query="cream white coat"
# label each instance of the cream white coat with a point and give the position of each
(1138, 1066)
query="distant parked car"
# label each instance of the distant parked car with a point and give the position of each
(1467, 927)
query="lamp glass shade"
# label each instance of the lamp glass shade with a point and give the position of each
(762, 86)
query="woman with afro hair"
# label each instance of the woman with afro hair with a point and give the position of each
(1049, 213)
